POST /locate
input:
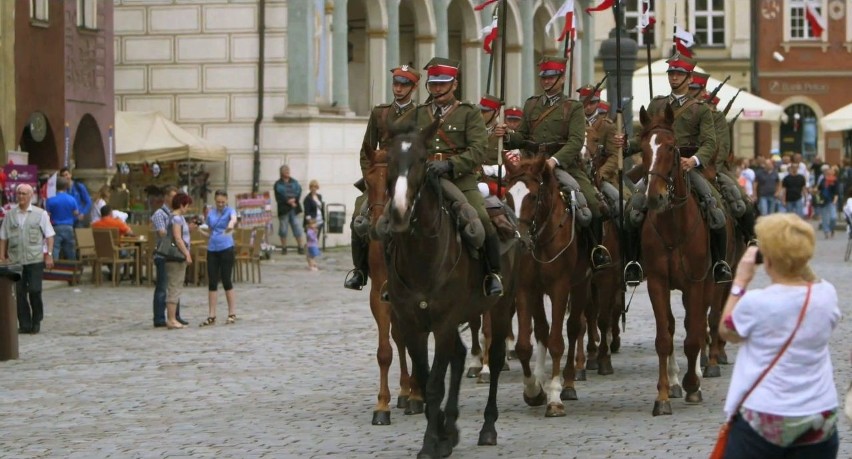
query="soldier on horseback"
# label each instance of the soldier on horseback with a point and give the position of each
(553, 125)
(459, 148)
(603, 143)
(695, 135)
(382, 117)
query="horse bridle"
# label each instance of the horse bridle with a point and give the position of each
(675, 201)
(371, 205)
(530, 239)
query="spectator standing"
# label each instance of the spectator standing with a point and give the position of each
(794, 186)
(827, 188)
(746, 179)
(63, 213)
(287, 194)
(312, 245)
(314, 207)
(220, 256)
(176, 270)
(792, 410)
(161, 219)
(81, 194)
(18, 244)
(103, 199)
(768, 185)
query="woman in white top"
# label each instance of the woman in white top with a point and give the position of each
(103, 199)
(792, 412)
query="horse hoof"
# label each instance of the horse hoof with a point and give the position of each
(605, 368)
(723, 358)
(703, 362)
(487, 438)
(538, 400)
(484, 378)
(402, 402)
(381, 418)
(473, 372)
(675, 392)
(414, 407)
(592, 364)
(694, 398)
(445, 448)
(615, 346)
(505, 366)
(512, 355)
(662, 408)
(555, 410)
(422, 455)
(712, 371)
(581, 375)
(568, 393)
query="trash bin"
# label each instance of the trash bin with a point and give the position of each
(335, 218)
(10, 273)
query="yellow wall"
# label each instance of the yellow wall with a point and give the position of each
(7, 77)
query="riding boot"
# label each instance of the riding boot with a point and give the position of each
(492, 285)
(747, 226)
(356, 279)
(600, 255)
(633, 273)
(718, 247)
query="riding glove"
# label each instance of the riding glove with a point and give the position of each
(439, 168)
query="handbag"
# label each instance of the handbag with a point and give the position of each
(722, 438)
(168, 249)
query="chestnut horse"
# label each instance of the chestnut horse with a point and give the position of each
(435, 284)
(676, 255)
(409, 396)
(555, 263)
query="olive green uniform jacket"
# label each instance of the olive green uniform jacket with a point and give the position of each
(694, 126)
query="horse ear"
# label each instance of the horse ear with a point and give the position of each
(643, 116)
(430, 130)
(669, 115)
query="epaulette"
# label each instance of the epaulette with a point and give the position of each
(466, 103)
(661, 97)
(383, 105)
(537, 96)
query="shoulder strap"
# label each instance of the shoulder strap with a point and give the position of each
(783, 348)
(689, 103)
(542, 117)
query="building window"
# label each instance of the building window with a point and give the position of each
(707, 21)
(632, 13)
(39, 10)
(87, 14)
(798, 23)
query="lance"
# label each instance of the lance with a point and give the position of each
(569, 53)
(619, 125)
(736, 116)
(731, 102)
(647, 33)
(674, 31)
(501, 30)
(718, 88)
(491, 58)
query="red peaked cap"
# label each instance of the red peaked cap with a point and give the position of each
(405, 72)
(441, 70)
(699, 79)
(513, 112)
(489, 102)
(603, 106)
(715, 100)
(678, 63)
(552, 65)
(586, 93)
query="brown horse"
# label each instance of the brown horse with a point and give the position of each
(555, 263)
(435, 283)
(409, 396)
(676, 255)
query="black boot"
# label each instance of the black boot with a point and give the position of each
(633, 273)
(600, 255)
(746, 224)
(718, 247)
(492, 285)
(356, 279)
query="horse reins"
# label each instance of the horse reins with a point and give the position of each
(530, 241)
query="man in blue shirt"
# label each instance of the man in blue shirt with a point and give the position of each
(79, 192)
(63, 213)
(287, 193)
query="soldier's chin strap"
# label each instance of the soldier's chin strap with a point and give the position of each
(547, 90)
(406, 96)
(680, 85)
(437, 96)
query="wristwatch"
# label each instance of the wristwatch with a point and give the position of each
(737, 291)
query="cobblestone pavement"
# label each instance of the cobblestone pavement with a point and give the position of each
(296, 377)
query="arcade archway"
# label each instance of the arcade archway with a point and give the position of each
(88, 152)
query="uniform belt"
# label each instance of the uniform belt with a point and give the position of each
(550, 148)
(442, 155)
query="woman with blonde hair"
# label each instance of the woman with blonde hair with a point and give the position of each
(103, 199)
(782, 398)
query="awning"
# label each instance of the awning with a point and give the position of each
(150, 136)
(755, 108)
(839, 120)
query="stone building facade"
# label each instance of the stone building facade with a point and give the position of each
(7, 77)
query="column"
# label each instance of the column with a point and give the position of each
(442, 41)
(340, 56)
(528, 74)
(392, 37)
(472, 89)
(301, 91)
(586, 55)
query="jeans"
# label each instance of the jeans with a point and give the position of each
(289, 219)
(796, 207)
(767, 205)
(28, 293)
(827, 217)
(64, 245)
(160, 289)
(744, 442)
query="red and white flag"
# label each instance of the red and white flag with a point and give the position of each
(566, 11)
(488, 34)
(815, 20)
(482, 5)
(684, 41)
(605, 5)
(646, 20)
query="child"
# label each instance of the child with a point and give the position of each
(312, 244)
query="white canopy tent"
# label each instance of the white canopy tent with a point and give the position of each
(150, 136)
(839, 120)
(755, 108)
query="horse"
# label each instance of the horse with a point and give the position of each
(555, 262)
(434, 284)
(409, 397)
(676, 255)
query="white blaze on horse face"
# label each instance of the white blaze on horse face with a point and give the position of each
(654, 148)
(400, 194)
(518, 191)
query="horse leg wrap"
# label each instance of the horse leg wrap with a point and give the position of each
(637, 206)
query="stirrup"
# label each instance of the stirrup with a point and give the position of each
(600, 257)
(499, 281)
(752, 242)
(351, 277)
(636, 268)
(725, 275)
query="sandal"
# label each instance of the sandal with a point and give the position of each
(231, 319)
(209, 321)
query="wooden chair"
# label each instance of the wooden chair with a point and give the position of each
(108, 252)
(86, 249)
(198, 250)
(242, 253)
(248, 256)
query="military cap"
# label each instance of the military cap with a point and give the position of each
(405, 74)
(490, 103)
(588, 93)
(699, 80)
(441, 70)
(681, 63)
(603, 106)
(714, 100)
(551, 66)
(514, 112)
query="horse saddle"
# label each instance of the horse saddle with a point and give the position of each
(503, 218)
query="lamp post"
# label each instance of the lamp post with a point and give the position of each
(622, 73)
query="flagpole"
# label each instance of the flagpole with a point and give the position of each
(647, 34)
(674, 31)
(570, 56)
(619, 124)
(501, 31)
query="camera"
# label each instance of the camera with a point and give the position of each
(758, 258)
(198, 221)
